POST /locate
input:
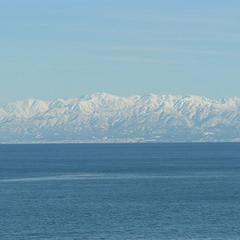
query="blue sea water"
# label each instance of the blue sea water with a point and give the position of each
(120, 191)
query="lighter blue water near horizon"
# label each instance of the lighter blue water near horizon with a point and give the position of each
(120, 191)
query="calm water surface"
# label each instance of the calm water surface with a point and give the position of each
(120, 191)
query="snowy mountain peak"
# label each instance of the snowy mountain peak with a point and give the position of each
(99, 116)
(26, 108)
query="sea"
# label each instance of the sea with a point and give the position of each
(120, 191)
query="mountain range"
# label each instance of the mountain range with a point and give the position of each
(102, 117)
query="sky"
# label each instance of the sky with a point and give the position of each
(68, 48)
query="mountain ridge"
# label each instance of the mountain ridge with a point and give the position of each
(101, 117)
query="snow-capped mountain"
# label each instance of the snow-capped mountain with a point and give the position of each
(105, 117)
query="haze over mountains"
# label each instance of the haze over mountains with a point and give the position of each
(103, 117)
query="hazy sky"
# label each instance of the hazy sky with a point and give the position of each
(68, 48)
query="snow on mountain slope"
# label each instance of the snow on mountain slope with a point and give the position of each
(101, 116)
(26, 108)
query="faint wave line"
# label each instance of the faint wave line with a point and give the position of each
(105, 176)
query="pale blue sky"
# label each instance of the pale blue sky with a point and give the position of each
(68, 48)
